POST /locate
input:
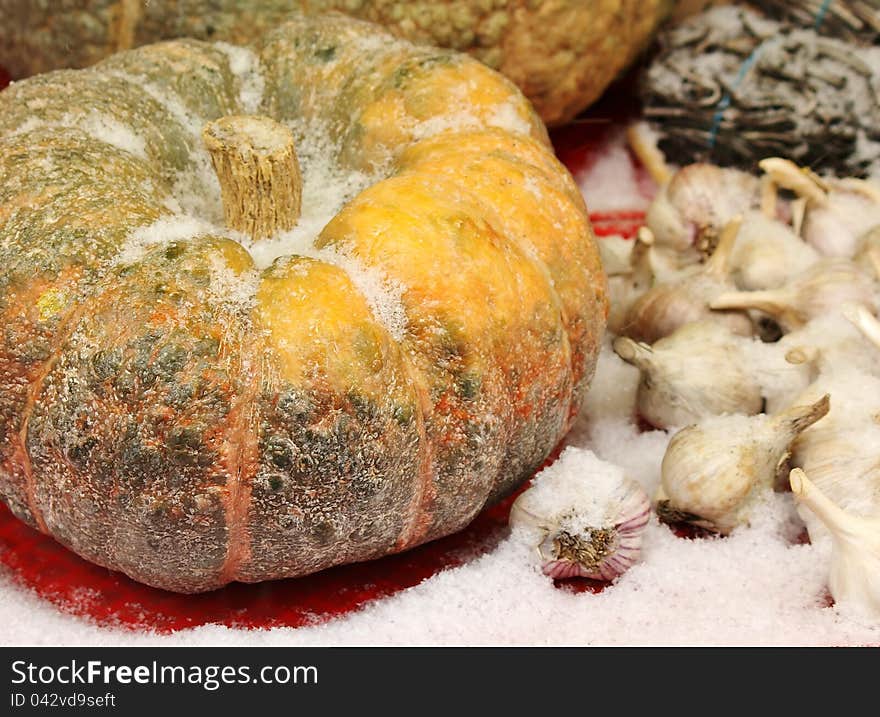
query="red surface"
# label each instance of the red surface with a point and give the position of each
(76, 586)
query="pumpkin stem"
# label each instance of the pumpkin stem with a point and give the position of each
(260, 179)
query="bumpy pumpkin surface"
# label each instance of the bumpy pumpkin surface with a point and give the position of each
(561, 53)
(190, 407)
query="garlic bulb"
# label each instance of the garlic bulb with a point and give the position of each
(842, 451)
(700, 370)
(768, 253)
(585, 516)
(836, 226)
(829, 341)
(714, 470)
(690, 210)
(633, 266)
(686, 297)
(854, 577)
(812, 293)
(833, 213)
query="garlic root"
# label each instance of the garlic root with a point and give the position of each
(801, 181)
(860, 317)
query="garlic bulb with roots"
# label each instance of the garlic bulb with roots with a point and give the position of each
(854, 575)
(686, 297)
(699, 370)
(690, 211)
(584, 517)
(818, 290)
(714, 471)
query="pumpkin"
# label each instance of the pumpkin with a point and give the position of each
(561, 53)
(175, 409)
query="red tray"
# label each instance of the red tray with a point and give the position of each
(75, 586)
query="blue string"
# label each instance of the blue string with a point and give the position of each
(744, 68)
(820, 15)
(725, 100)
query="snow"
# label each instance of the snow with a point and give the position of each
(504, 115)
(577, 490)
(245, 65)
(758, 586)
(612, 182)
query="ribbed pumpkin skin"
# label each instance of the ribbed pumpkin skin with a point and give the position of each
(561, 53)
(156, 426)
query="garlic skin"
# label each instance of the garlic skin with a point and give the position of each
(584, 516)
(868, 252)
(822, 288)
(768, 253)
(714, 470)
(686, 296)
(698, 371)
(698, 201)
(854, 576)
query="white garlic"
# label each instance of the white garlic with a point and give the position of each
(831, 214)
(698, 201)
(841, 452)
(584, 517)
(768, 253)
(818, 290)
(835, 227)
(829, 341)
(633, 266)
(686, 297)
(714, 471)
(854, 575)
(699, 370)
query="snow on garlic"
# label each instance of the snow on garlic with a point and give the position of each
(841, 453)
(768, 253)
(698, 371)
(854, 575)
(714, 471)
(584, 517)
